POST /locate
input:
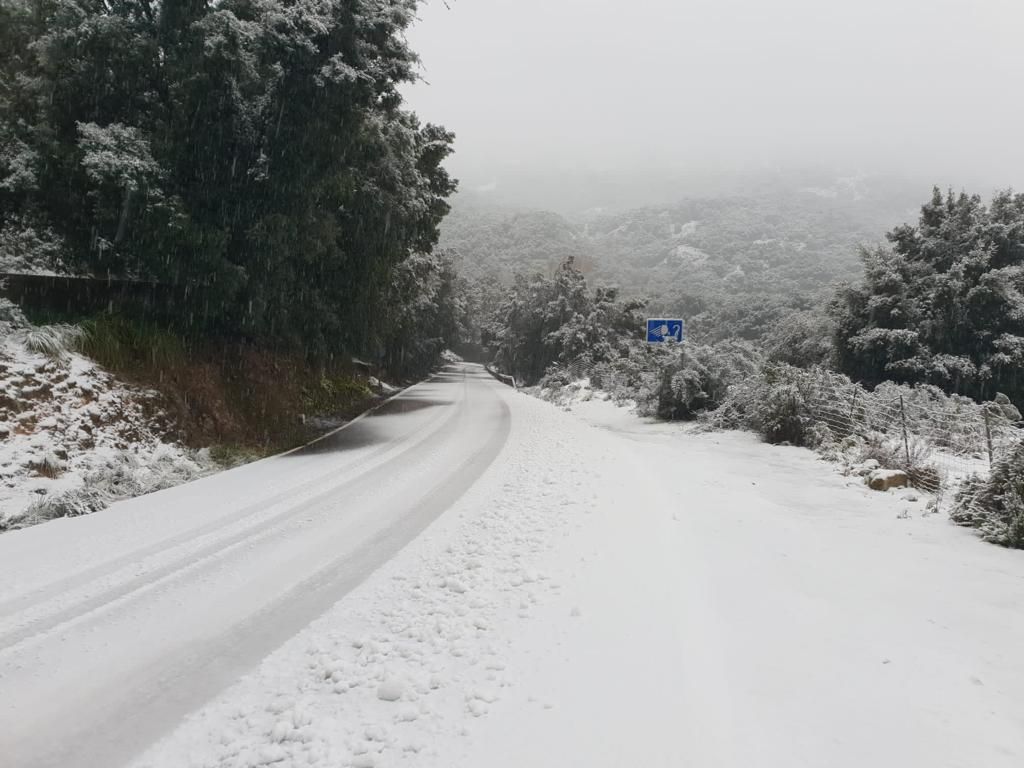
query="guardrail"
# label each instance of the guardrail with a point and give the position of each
(503, 378)
(73, 295)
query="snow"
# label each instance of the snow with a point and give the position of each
(64, 422)
(615, 592)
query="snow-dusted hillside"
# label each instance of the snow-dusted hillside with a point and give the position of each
(72, 437)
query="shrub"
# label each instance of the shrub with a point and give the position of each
(124, 475)
(773, 404)
(48, 465)
(334, 394)
(995, 505)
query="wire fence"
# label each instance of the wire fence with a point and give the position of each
(939, 439)
(936, 438)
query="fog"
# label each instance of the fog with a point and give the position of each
(544, 91)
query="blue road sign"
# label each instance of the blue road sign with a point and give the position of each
(660, 331)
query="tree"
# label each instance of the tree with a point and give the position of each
(547, 320)
(944, 303)
(257, 154)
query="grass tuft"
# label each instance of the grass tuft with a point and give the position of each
(124, 345)
(54, 341)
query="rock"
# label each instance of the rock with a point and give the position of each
(1002, 407)
(884, 479)
(1011, 412)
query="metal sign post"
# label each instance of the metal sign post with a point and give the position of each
(662, 331)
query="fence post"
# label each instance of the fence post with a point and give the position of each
(903, 419)
(988, 436)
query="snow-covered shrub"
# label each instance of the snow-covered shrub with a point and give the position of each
(995, 505)
(669, 382)
(773, 404)
(48, 465)
(74, 503)
(123, 475)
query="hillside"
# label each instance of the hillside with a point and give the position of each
(733, 264)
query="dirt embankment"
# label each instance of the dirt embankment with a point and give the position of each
(100, 411)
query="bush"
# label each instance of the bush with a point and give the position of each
(995, 505)
(333, 395)
(123, 476)
(773, 404)
(670, 383)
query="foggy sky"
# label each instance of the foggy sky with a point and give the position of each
(925, 87)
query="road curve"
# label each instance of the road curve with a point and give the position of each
(114, 626)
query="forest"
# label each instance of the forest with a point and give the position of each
(256, 154)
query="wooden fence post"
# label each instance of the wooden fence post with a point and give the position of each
(903, 419)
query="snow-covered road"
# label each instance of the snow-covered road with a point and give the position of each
(607, 593)
(114, 626)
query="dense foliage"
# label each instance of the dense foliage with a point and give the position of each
(542, 321)
(255, 151)
(995, 504)
(552, 331)
(944, 303)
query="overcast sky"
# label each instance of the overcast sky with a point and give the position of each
(934, 87)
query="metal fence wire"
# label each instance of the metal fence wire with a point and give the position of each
(938, 439)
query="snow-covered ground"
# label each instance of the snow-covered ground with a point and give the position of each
(65, 423)
(613, 592)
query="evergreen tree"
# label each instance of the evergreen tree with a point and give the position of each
(254, 152)
(944, 303)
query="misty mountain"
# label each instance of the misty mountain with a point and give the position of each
(733, 264)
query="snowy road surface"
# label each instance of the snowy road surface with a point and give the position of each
(607, 593)
(114, 626)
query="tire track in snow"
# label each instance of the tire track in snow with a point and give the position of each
(120, 675)
(193, 558)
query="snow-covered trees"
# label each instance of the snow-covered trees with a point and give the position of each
(542, 321)
(257, 152)
(427, 312)
(945, 303)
